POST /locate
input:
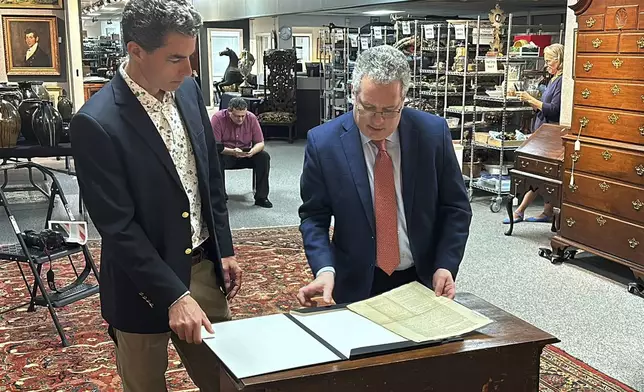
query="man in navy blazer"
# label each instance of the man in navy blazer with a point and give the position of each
(389, 177)
(148, 168)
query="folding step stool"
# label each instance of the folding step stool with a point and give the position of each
(22, 254)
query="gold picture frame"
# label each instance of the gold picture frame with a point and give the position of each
(24, 33)
(54, 91)
(34, 4)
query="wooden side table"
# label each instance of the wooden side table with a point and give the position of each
(538, 168)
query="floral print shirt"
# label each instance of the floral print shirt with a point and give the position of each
(167, 120)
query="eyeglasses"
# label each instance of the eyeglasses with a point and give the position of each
(370, 112)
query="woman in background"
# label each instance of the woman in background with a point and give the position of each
(548, 109)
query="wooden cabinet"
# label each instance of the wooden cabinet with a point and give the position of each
(597, 42)
(629, 67)
(602, 207)
(615, 94)
(618, 125)
(538, 167)
(91, 89)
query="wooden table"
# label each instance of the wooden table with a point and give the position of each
(503, 356)
(538, 167)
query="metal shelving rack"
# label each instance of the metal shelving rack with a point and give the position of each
(338, 44)
(421, 35)
(504, 109)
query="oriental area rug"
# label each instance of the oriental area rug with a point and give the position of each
(32, 358)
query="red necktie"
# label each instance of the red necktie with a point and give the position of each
(386, 207)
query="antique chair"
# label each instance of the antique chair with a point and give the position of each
(278, 109)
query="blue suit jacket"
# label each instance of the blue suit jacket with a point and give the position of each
(335, 183)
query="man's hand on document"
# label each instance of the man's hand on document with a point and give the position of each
(443, 283)
(323, 284)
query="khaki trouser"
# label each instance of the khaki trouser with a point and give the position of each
(142, 359)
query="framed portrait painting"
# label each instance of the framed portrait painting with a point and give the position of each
(48, 4)
(31, 45)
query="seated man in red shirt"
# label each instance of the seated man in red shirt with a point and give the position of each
(239, 131)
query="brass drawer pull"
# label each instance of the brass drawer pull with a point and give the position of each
(617, 63)
(588, 66)
(586, 93)
(607, 155)
(590, 22)
(633, 243)
(547, 169)
(601, 221)
(613, 118)
(597, 43)
(573, 187)
(570, 222)
(640, 43)
(575, 156)
(637, 205)
(615, 90)
(525, 163)
(604, 186)
(550, 190)
(642, 130)
(584, 121)
(639, 170)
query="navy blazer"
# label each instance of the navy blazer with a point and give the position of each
(138, 204)
(335, 183)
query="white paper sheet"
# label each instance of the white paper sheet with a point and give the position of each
(346, 330)
(260, 345)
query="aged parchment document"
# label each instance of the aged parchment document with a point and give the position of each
(414, 312)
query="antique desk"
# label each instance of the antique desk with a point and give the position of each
(602, 209)
(503, 356)
(538, 167)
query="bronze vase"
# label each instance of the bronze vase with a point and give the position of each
(26, 110)
(9, 124)
(47, 124)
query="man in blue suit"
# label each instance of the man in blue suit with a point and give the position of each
(389, 177)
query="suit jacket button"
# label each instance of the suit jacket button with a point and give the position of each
(188, 251)
(185, 215)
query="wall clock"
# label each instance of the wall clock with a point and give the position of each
(286, 33)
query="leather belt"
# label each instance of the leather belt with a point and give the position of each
(197, 255)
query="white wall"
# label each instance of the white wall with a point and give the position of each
(304, 20)
(568, 84)
(260, 26)
(101, 28)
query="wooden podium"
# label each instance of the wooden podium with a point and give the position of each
(503, 356)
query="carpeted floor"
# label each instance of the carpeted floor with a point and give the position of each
(274, 269)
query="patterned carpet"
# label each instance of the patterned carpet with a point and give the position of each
(31, 358)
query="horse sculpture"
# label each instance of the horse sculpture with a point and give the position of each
(232, 76)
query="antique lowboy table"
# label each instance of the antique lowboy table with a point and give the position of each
(503, 356)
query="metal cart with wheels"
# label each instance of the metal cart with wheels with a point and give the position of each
(50, 296)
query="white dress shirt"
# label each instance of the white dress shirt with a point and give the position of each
(393, 149)
(31, 51)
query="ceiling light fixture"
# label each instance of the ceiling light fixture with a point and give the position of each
(382, 12)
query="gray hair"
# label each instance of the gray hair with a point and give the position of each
(556, 51)
(147, 22)
(237, 103)
(383, 64)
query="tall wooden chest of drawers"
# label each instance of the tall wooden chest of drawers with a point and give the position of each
(602, 205)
